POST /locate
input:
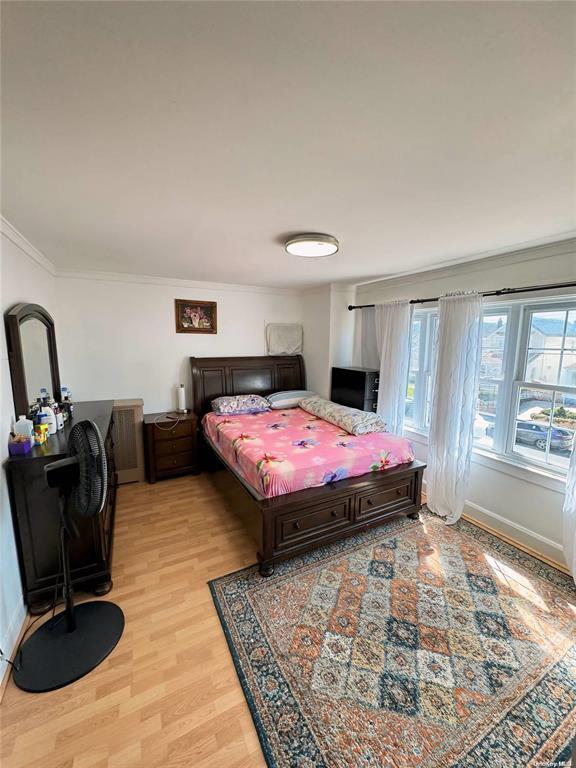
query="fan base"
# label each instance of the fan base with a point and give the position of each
(53, 657)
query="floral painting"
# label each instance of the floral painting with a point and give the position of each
(195, 316)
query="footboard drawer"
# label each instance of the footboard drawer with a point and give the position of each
(400, 495)
(311, 524)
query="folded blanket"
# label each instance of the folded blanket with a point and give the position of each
(351, 419)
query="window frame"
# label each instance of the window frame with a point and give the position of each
(514, 359)
(503, 383)
(519, 381)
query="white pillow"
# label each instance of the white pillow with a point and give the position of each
(289, 399)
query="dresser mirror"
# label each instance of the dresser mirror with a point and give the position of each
(32, 355)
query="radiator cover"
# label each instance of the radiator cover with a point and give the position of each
(128, 440)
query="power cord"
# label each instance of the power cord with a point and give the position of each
(17, 654)
(167, 417)
(8, 660)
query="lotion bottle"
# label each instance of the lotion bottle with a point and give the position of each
(51, 422)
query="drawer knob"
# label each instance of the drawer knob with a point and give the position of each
(398, 491)
(174, 461)
(369, 502)
(296, 525)
(334, 513)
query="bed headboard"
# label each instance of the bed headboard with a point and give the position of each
(216, 376)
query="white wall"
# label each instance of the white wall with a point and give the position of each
(521, 503)
(328, 333)
(341, 325)
(25, 276)
(316, 321)
(117, 337)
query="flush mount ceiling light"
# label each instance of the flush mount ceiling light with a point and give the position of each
(312, 245)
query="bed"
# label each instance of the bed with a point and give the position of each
(305, 497)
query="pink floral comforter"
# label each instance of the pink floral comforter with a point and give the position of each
(279, 452)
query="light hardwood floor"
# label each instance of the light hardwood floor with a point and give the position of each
(168, 695)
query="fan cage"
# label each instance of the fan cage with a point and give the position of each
(86, 445)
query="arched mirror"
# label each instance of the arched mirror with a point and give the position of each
(32, 355)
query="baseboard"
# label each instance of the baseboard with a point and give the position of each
(528, 541)
(16, 630)
(518, 544)
(474, 512)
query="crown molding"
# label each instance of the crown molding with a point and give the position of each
(559, 246)
(120, 277)
(16, 237)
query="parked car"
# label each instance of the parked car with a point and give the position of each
(536, 434)
(530, 433)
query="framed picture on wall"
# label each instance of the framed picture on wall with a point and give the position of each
(195, 316)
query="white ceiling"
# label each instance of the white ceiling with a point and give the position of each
(185, 139)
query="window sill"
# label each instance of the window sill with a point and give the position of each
(506, 464)
(418, 435)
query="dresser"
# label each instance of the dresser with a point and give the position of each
(36, 517)
(355, 387)
(170, 445)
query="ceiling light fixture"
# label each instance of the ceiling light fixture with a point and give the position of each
(312, 245)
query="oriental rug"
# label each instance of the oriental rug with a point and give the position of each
(416, 645)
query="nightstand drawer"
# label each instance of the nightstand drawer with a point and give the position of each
(167, 432)
(169, 447)
(176, 461)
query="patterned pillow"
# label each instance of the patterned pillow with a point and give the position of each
(288, 399)
(351, 419)
(238, 404)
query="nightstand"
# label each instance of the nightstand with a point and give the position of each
(170, 445)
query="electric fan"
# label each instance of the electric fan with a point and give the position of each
(72, 643)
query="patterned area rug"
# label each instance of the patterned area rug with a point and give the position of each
(414, 645)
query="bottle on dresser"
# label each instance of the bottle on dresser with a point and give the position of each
(67, 405)
(59, 415)
(48, 411)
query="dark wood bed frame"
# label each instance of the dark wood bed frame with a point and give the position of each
(297, 522)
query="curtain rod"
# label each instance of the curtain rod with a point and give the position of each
(501, 292)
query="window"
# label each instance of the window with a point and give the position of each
(545, 387)
(418, 394)
(527, 384)
(491, 377)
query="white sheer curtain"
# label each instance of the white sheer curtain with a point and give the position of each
(366, 352)
(392, 321)
(570, 516)
(453, 402)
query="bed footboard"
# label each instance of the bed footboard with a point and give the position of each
(299, 522)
